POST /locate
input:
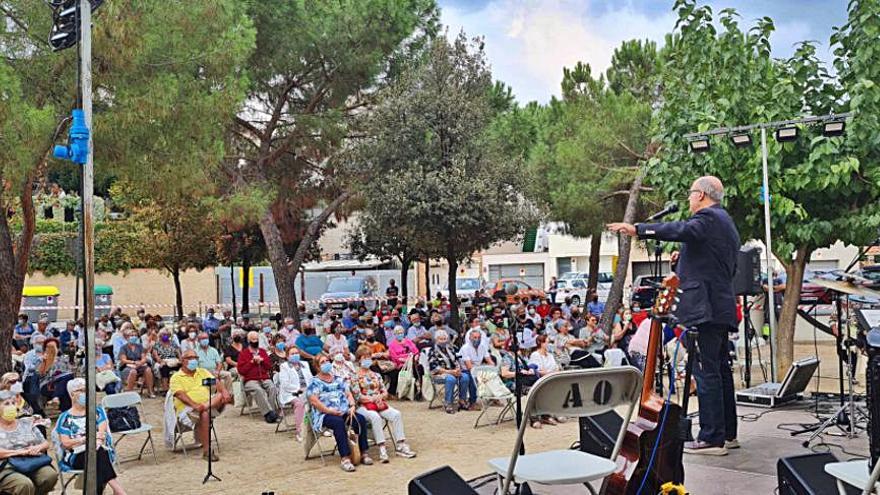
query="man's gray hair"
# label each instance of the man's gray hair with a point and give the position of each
(712, 187)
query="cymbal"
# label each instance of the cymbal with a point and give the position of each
(845, 287)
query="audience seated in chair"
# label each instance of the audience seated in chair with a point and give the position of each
(446, 369)
(133, 362)
(166, 354)
(191, 398)
(21, 438)
(369, 391)
(474, 353)
(294, 377)
(253, 368)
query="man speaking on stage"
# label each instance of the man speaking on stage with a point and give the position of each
(707, 304)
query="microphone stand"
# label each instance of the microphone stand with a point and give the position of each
(210, 382)
(515, 329)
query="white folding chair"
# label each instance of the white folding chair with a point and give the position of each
(281, 407)
(131, 399)
(613, 357)
(573, 393)
(490, 389)
(313, 438)
(71, 474)
(180, 428)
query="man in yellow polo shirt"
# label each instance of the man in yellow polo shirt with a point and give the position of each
(191, 397)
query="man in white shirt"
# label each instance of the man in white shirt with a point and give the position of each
(474, 352)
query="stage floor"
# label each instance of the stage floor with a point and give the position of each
(751, 468)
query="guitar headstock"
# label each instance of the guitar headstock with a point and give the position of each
(667, 296)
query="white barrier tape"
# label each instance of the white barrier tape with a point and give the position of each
(211, 305)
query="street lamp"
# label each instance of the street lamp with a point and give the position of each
(786, 131)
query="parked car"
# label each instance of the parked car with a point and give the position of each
(350, 287)
(576, 289)
(645, 290)
(522, 289)
(464, 288)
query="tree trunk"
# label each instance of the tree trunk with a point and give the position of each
(453, 295)
(305, 244)
(284, 275)
(404, 274)
(624, 246)
(788, 316)
(246, 284)
(595, 247)
(178, 292)
(427, 278)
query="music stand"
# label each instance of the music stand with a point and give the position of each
(210, 382)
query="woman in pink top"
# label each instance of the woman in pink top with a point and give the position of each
(638, 345)
(400, 349)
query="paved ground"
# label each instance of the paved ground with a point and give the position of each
(255, 460)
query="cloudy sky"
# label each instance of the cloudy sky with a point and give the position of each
(529, 41)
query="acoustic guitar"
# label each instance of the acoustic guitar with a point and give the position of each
(641, 436)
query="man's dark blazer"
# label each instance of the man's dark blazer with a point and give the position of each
(706, 265)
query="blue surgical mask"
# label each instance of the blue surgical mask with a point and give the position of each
(133, 340)
(192, 364)
(267, 330)
(81, 400)
(281, 346)
(399, 338)
(203, 342)
(326, 367)
(294, 358)
(475, 342)
(366, 363)
(38, 347)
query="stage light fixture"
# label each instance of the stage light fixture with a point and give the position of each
(699, 145)
(834, 128)
(786, 134)
(741, 140)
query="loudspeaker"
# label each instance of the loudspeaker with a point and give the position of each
(747, 278)
(441, 481)
(805, 475)
(598, 433)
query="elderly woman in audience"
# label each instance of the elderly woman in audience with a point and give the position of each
(446, 369)
(133, 362)
(71, 430)
(570, 351)
(106, 378)
(166, 354)
(278, 353)
(401, 349)
(49, 378)
(294, 377)
(343, 368)
(335, 342)
(230, 354)
(22, 439)
(12, 381)
(31, 383)
(191, 398)
(333, 407)
(372, 398)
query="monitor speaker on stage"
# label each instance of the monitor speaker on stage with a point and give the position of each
(805, 475)
(441, 481)
(598, 433)
(747, 278)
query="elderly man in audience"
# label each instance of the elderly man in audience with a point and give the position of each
(372, 398)
(294, 377)
(474, 353)
(309, 344)
(191, 398)
(133, 362)
(333, 407)
(210, 359)
(289, 331)
(254, 366)
(445, 369)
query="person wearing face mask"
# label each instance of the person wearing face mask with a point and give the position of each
(445, 369)
(309, 344)
(22, 334)
(475, 352)
(543, 357)
(623, 331)
(266, 336)
(333, 407)
(232, 351)
(278, 353)
(167, 355)
(254, 367)
(191, 342)
(289, 331)
(294, 377)
(369, 391)
(22, 438)
(12, 381)
(335, 342)
(106, 378)
(71, 430)
(400, 350)
(133, 363)
(358, 337)
(343, 367)
(210, 359)
(191, 398)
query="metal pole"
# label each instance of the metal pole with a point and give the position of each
(770, 303)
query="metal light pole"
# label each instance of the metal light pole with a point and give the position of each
(703, 139)
(770, 303)
(85, 57)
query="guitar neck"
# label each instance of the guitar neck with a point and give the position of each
(651, 360)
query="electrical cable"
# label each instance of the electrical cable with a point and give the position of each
(662, 422)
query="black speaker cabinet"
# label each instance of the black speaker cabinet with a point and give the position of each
(747, 278)
(598, 433)
(441, 481)
(805, 475)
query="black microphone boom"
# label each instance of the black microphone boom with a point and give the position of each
(671, 207)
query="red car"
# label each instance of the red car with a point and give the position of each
(523, 290)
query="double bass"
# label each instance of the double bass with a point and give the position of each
(641, 436)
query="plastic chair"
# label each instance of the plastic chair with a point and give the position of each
(181, 428)
(131, 399)
(59, 454)
(573, 393)
(486, 377)
(281, 407)
(438, 389)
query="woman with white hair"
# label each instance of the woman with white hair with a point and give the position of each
(22, 441)
(400, 350)
(71, 431)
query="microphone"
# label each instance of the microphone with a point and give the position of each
(671, 207)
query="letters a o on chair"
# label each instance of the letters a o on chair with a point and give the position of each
(602, 392)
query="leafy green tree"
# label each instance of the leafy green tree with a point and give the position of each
(384, 241)
(822, 188)
(316, 67)
(165, 73)
(449, 188)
